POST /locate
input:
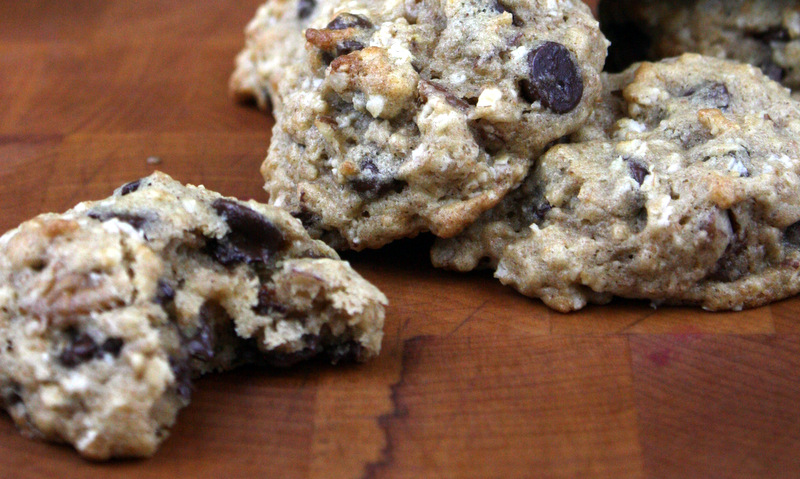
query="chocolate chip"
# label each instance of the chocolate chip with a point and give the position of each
(307, 217)
(773, 71)
(327, 58)
(137, 221)
(553, 78)
(164, 292)
(710, 95)
(365, 185)
(80, 349)
(791, 235)
(201, 345)
(183, 377)
(12, 394)
(348, 46)
(637, 170)
(371, 183)
(130, 187)
(733, 263)
(772, 34)
(348, 20)
(280, 359)
(305, 8)
(112, 346)
(266, 305)
(346, 352)
(252, 238)
(540, 210)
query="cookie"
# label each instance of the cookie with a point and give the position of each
(689, 197)
(764, 33)
(405, 117)
(273, 43)
(111, 309)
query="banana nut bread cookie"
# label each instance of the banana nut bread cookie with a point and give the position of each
(109, 310)
(404, 117)
(691, 196)
(764, 33)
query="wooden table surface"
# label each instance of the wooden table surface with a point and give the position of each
(474, 380)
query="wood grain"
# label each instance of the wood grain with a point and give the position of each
(474, 380)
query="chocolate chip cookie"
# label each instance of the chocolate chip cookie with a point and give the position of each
(765, 33)
(404, 117)
(108, 311)
(684, 190)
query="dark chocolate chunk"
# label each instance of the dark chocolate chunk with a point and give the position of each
(637, 170)
(130, 187)
(773, 71)
(791, 235)
(553, 78)
(348, 351)
(112, 346)
(183, 377)
(348, 20)
(306, 8)
(540, 210)
(201, 345)
(348, 46)
(710, 95)
(164, 292)
(11, 394)
(327, 58)
(306, 216)
(252, 238)
(80, 349)
(370, 182)
(266, 305)
(280, 359)
(773, 34)
(733, 263)
(137, 221)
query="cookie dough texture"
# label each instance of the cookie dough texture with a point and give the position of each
(764, 33)
(399, 117)
(108, 311)
(689, 197)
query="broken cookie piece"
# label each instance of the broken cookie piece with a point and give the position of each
(108, 311)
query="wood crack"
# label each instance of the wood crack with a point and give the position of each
(398, 413)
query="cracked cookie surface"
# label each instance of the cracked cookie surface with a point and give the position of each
(682, 188)
(108, 311)
(764, 33)
(397, 118)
